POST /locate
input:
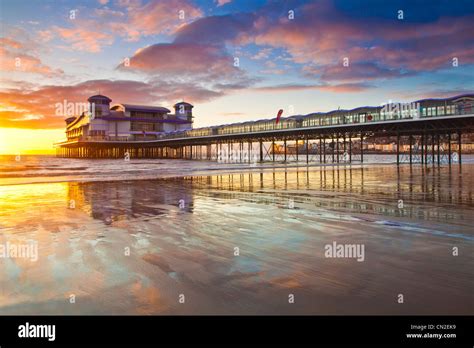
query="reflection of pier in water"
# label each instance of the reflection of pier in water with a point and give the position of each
(365, 189)
(125, 199)
(358, 190)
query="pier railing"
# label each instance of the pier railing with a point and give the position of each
(308, 122)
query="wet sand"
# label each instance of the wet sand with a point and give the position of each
(280, 219)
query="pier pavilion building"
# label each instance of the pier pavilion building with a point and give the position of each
(127, 122)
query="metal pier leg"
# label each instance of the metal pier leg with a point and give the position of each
(241, 147)
(333, 148)
(437, 140)
(411, 145)
(344, 147)
(261, 151)
(398, 149)
(307, 150)
(432, 148)
(422, 141)
(249, 151)
(350, 148)
(297, 150)
(460, 146)
(324, 149)
(320, 150)
(273, 150)
(361, 148)
(426, 149)
(449, 148)
(284, 144)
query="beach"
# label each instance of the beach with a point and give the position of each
(195, 237)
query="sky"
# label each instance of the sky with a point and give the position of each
(234, 60)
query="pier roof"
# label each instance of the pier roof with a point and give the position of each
(131, 107)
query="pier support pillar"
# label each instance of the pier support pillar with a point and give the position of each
(437, 149)
(398, 149)
(449, 148)
(324, 149)
(297, 149)
(320, 150)
(273, 150)
(250, 152)
(410, 140)
(460, 147)
(333, 148)
(426, 148)
(307, 150)
(433, 148)
(344, 148)
(350, 148)
(422, 148)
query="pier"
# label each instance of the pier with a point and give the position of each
(431, 133)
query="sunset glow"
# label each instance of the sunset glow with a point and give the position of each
(14, 141)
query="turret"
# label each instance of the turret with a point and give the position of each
(184, 111)
(100, 104)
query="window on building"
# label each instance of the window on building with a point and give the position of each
(142, 126)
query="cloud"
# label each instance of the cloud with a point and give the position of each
(9, 42)
(321, 35)
(337, 88)
(182, 60)
(83, 39)
(353, 72)
(36, 108)
(197, 57)
(264, 53)
(199, 67)
(216, 30)
(155, 17)
(222, 2)
(17, 56)
(93, 30)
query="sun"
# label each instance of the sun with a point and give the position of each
(14, 141)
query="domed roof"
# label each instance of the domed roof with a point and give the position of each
(183, 103)
(70, 119)
(99, 97)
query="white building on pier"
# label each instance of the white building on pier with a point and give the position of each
(126, 122)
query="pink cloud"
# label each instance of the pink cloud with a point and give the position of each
(155, 17)
(16, 56)
(201, 66)
(320, 37)
(94, 30)
(180, 60)
(21, 103)
(223, 2)
(345, 87)
(83, 39)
